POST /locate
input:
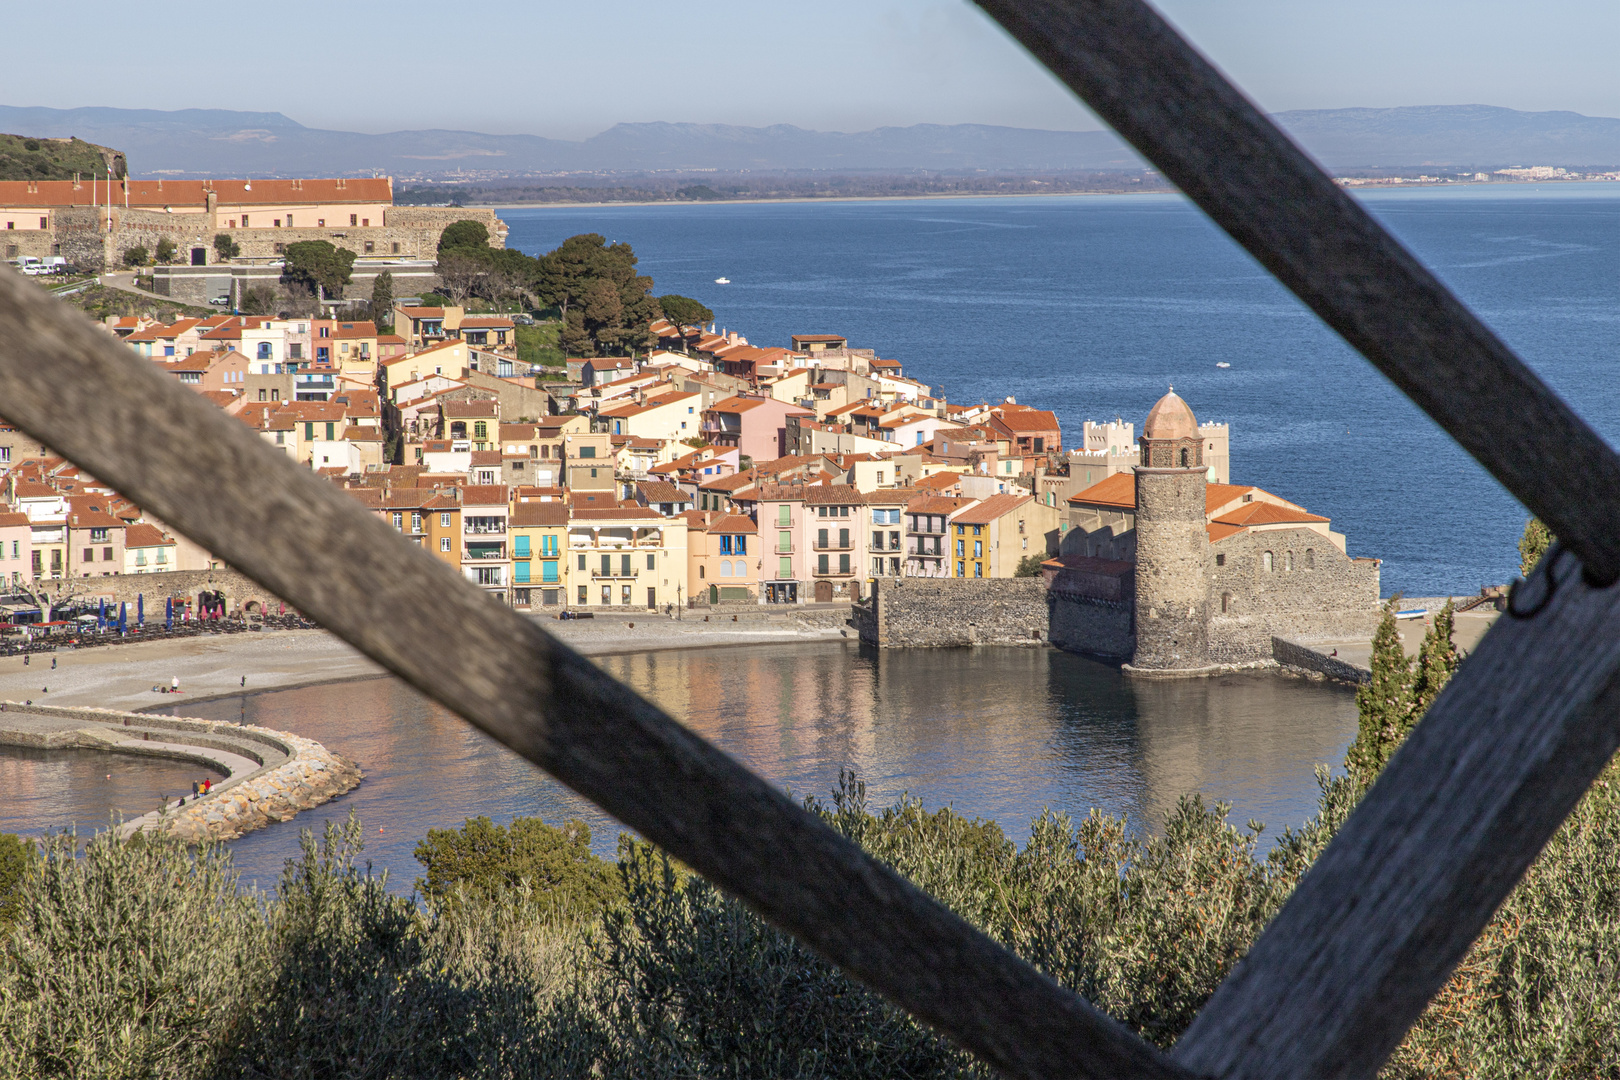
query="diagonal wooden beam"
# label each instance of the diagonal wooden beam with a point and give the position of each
(1140, 76)
(89, 397)
(1530, 720)
(1462, 809)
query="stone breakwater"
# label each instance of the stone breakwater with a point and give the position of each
(270, 775)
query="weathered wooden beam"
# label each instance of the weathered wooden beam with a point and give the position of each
(90, 398)
(1141, 77)
(1377, 925)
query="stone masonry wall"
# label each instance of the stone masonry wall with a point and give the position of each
(931, 613)
(1172, 557)
(1313, 592)
(239, 589)
(1100, 628)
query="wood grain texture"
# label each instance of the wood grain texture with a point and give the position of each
(1141, 77)
(1377, 925)
(92, 399)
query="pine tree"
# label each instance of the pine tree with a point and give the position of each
(1436, 662)
(382, 301)
(1535, 541)
(1384, 703)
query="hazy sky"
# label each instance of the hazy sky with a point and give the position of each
(571, 69)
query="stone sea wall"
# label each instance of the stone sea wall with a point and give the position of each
(933, 613)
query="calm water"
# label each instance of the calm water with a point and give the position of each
(1090, 305)
(51, 789)
(997, 733)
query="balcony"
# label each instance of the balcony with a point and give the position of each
(834, 545)
(831, 571)
(621, 573)
(484, 553)
(485, 529)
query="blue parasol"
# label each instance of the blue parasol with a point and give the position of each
(101, 616)
(168, 613)
(140, 609)
(123, 619)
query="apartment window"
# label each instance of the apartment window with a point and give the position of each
(399, 520)
(365, 223)
(624, 565)
(89, 555)
(163, 557)
(978, 569)
(44, 223)
(98, 535)
(978, 549)
(960, 545)
(444, 544)
(354, 219)
(277, 223)
(650, 563)
(961, 569)
(281, 438)
(5, 453)
(821, 538)
(480, 430)
(582, 562)
(976, 529)
(444, 521)
(416, 521)
(106, 554)
(244, 221)
(295, 351)
(843, 538)
(583, 595)
(140, 558)
(607, 594)
(960, 529)
(843, 564)
(821, 564)
(784, 568)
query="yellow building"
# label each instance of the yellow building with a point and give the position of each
(539, 532)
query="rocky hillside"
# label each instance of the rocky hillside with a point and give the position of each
(23, 157)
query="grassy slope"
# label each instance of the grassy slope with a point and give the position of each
(56, 159)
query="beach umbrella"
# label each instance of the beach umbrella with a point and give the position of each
(140, 609)
(168, 613)
(123, 618)
(101, 616)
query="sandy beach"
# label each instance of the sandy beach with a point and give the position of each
(122, 676)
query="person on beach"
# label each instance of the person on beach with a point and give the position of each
(174, 685)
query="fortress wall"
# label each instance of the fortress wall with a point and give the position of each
(1100, 628)
(1324, 595)
(933, 613)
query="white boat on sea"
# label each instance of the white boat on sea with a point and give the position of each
(1223, 363)
(722, 281)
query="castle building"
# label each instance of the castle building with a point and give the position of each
(93, 220)
(1176, 575)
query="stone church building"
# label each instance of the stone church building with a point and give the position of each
(1175, 575)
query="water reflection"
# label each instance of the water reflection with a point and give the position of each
(997, 733)
(44, 790)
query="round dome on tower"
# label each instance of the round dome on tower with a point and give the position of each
(1170, 418)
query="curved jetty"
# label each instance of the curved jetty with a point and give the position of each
(269, 775)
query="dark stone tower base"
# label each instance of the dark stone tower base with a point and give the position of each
(1172, 578)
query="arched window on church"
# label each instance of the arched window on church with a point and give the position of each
(1288, 561)
(1310, 558)
(1265, 562)
(1186, 457)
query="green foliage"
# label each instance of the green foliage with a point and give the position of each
(554, 867)
(684, 311)
(1029, 566)
(606, 307)
(1401, 689)
(1533, 544)
(166, 251)
(225, 247)
(257, 300)
(382, 301)
(319, 266)
(464, 234)
(537, 344)
(17, 858)
(136, 256)
(25, 158)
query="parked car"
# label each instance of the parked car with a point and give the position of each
(38, 270)
(221, 301)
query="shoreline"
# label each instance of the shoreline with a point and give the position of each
(121, 677)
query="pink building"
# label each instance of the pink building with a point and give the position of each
(755, 425)
(16, 546)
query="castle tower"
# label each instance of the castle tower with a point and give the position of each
(1172, 546)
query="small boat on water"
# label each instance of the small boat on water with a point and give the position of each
(1223, 363)
(722, 281)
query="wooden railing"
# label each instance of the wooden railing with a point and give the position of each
(1374, 928)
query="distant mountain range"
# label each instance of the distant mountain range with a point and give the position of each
(216, 142)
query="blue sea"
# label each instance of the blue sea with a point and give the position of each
(1093, 305)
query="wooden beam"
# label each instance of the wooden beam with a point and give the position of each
(1377, 925)
(118, 416)
(1140, 76)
